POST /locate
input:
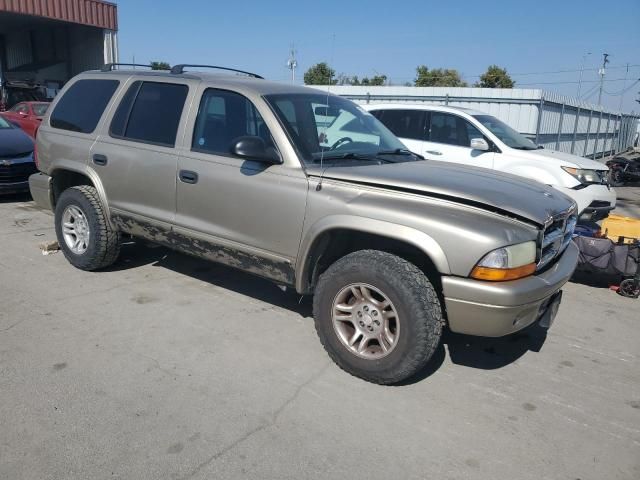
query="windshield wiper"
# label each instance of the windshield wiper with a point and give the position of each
(525, 148)
(345, 156)
(400, 151)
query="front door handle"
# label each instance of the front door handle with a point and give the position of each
(187, 176)
(434, 152)
(99, 159)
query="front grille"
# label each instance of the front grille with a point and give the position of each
(556, 237)
(17, 172)
(13, 156)
(599, 204)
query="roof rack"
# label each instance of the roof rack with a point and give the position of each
(178, 69)
(107, 67)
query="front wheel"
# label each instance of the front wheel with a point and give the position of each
(377, 316)
(84, 234)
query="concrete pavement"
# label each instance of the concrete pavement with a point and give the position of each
(167, 367)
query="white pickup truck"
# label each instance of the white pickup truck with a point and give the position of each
(471, 137)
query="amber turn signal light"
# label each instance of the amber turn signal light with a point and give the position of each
(502, 274)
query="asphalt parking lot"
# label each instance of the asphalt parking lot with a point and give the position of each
(167, 367)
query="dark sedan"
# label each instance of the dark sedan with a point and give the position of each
(16, 158)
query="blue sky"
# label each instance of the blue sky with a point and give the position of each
(365, 37)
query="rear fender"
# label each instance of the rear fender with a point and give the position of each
(90, 173)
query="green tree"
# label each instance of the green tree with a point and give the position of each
(438, 77)
(320, 74)
(375, 80)
(495, 77)
(160, 66)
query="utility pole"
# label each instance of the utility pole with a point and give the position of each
(292, 63)
(624, 85)
(584, 58)
(602, 72)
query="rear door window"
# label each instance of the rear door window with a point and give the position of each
(404, 123)
(150, 112)
(82, 106)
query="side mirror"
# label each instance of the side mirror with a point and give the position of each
(254, 148)
(479, 144)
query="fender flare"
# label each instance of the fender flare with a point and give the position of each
(416, 238)
(91, 174)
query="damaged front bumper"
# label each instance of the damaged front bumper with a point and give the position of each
(495, 309)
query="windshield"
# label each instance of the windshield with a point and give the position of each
(4, 123)
(40, 109)
(504, 132)
(326, 127)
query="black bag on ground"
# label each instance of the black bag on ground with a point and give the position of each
(601, 255)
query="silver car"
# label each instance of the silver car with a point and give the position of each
(246, 172)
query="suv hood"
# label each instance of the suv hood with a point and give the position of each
(562, 157)
(487, 189)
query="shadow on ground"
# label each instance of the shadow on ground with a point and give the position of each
(15, 198)
(473, 352)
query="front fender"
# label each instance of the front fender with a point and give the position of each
(414, 237)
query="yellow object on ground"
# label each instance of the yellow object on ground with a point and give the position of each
(615, 226)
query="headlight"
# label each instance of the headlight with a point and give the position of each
(585, 176)
(507, 263)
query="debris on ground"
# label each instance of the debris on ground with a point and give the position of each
(49, 247)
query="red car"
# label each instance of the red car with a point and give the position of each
(27, 115)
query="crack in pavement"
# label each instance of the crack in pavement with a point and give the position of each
(274, 418)
(11, 326)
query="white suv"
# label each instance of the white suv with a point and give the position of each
(471, 137)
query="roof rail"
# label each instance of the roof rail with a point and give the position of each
(107, 67)
(178, 69)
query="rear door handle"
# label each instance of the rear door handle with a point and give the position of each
(434, 152)
(99, 159)
(187, 176)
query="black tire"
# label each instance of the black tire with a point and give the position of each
(104, 241)
(415, 301)
(629, 288)
(616, 177)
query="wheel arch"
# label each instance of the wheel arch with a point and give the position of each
(336, 236)
(67, 176)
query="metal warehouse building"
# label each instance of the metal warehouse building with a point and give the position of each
(553, 121)
(44, 43)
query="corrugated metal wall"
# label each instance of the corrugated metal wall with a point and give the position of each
(18, 49)
(71, 49)
(95, 13)
(86, 47)
(554, 121)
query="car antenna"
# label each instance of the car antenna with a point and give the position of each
(333, 44)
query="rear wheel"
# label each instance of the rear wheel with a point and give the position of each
(84, 234)
(377, 316)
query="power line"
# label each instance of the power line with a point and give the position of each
(589, 93)
(624, 90)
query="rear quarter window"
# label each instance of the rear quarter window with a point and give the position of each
(80, 108)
